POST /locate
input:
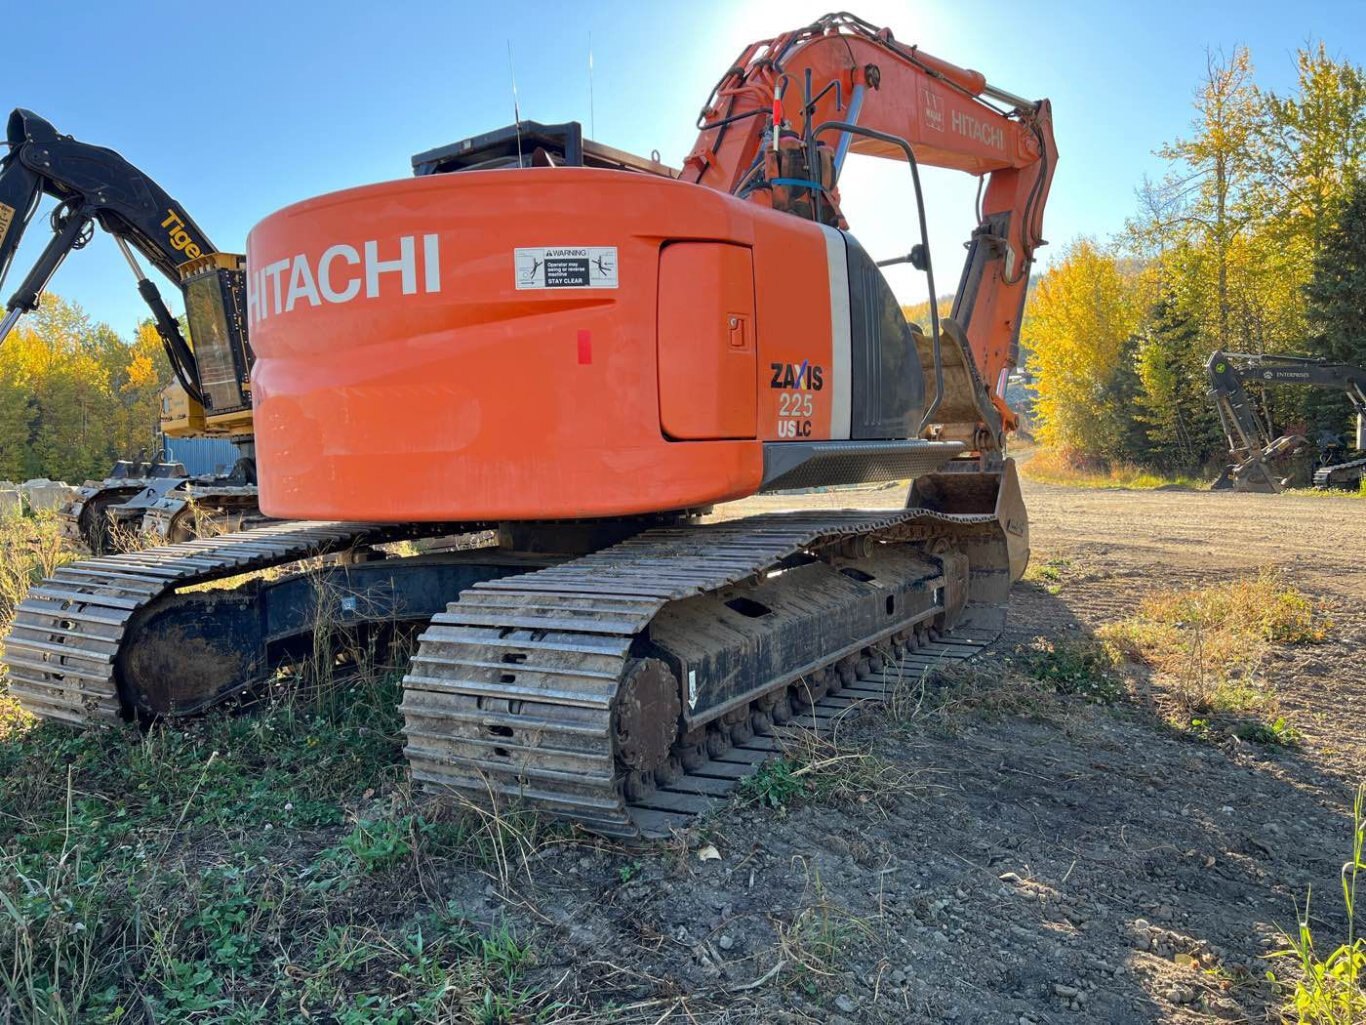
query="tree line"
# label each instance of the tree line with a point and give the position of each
(1253, 241)
(74, 396)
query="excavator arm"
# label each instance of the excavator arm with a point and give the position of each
(1251, 445)
(95, 185)
(780, 123)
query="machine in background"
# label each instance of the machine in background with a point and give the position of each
(1251, 446)
(211, 394)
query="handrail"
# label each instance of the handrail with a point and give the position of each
(896, 140)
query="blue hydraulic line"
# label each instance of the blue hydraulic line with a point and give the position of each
(842, 148)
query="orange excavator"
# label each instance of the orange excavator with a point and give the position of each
(570, 353)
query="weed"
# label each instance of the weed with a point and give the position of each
(825, 769)
(1328, 990)
(1200, 729)
(1083, 667)
(188, 987)
(378, 845)
(1277, 733)
(1048, 574)
(776, 784)
(815, 941)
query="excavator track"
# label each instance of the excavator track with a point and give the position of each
(517, 690)
(627, 690)
(710, 784)
(215, 508)
(105, 515)
(1340, 473)
(61, 650)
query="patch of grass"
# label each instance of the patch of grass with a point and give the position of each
(1277, 733)
(1328, 987)
(1358, 492)
(243, 862)
(1082, 667)
(31, 547)
(821, 769)
(1048, 574)
(1207, 645)
(376, 845)
(1264, 606)
(1050, 467)
(814, 943)
(239, 868)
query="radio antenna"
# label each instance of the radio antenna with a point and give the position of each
(516, 111)
(592, 122)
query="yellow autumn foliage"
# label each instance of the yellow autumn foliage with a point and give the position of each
(1081, 322)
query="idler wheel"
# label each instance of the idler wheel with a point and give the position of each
(645, 717)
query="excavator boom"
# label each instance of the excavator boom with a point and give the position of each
(894, 98)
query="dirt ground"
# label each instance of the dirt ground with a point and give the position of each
(1040, 859)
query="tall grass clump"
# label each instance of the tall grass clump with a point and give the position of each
(1328, 989)
(1210, 643)
(31, 547)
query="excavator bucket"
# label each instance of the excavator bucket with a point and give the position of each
(994, 533)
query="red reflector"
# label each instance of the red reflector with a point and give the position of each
(585, 347)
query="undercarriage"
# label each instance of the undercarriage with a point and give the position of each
(619, 674)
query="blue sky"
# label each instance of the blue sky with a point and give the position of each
(238, 109)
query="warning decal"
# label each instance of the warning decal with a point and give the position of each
(6, 218)
(566, 267)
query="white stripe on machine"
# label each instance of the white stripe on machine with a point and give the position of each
(840, 384)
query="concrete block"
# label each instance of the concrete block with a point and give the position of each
(11, 503)
(45, 495)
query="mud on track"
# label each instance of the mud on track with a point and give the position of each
(1038, 859)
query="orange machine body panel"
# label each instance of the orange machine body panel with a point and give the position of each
(708, 363)
(486, 346)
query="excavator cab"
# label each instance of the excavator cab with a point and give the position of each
(215, 288)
